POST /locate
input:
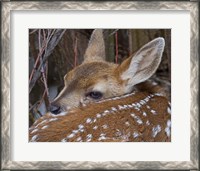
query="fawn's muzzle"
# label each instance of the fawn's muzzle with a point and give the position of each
(55, 109)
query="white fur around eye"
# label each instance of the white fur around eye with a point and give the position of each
(101, 87)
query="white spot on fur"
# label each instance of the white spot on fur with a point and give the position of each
(71, 135)
(133, 104)
(95, 127)
(148, 107)
(79, 139)
(168, 128)
(137, 118)
(151, 95)
(118, 133)
(130, 106)
(75, 131)
(44, 127)
(147, 122)
(127, 123)
(52, 115)
(144, 114)
(105, 126)
(64, 140)
(142, 102)
(138, 105)
(169, 110)
(62, 114)
(154, 112)
(125, 106)
(53, 119)
(88, 120)
(156, 130)
(168, 123)
(81, 130)
(125, 137)
(146, 99)
(102, 137)
(135, 135)
(136, 108)
(98, 115)
(114, 109)
(158, 94)
(34, 138)
(105, 112)
(115, 98)
(80, 126)
(120, 107)
(35, 130)
(89, 137)
(44, 121)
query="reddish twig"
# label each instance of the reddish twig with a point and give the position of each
(116, 47)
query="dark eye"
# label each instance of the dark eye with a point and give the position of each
(95, 94)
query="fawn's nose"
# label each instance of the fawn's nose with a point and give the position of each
(55, 109)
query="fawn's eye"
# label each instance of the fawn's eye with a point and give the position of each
(94, 94)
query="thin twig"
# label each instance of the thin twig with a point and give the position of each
(51, 45)
(43, 71)
(33, 31)
(36, 62)
(75, 52)
(116, 47)
(113, 32)
(42, 99)
(32, 106)
(39, 39)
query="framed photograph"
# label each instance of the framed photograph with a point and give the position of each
(100, 85)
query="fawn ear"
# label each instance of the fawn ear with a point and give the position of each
(96, 47)
(143, 64)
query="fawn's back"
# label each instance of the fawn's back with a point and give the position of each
(134, 117)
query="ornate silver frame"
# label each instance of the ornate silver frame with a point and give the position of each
(8, 6)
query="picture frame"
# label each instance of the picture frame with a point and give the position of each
(6, 107)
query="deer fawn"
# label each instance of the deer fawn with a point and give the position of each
(99, 102)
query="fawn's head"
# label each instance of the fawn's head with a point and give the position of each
(96, 79)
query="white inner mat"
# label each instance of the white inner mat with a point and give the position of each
(177, 150)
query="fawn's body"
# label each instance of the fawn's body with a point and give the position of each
(133, 117)
(88, 117)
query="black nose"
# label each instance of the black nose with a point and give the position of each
(55, 109)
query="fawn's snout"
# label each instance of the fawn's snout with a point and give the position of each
(55, 109)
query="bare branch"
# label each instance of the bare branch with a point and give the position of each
(52, 42)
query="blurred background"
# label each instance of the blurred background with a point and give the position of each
(54, 52)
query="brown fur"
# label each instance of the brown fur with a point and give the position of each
(117, 129)
(83, 78)
(118, 79)
(111, 80)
